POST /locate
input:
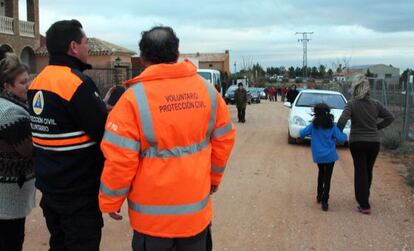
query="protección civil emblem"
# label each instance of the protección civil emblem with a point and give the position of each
(38, 103)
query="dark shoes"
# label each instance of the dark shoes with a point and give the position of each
(364, 210)
(325, 206)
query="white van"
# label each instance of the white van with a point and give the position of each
(213, 76)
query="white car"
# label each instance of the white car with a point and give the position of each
(302, 109)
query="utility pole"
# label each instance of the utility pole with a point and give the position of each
(305, 41)
(235, 67)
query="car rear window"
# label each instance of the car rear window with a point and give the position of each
(334, 101)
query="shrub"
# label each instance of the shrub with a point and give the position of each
(392, 140)
(409, 179)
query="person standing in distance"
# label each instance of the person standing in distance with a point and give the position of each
(240, 98)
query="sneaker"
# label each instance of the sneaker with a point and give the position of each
(364, 210)
(325, 206)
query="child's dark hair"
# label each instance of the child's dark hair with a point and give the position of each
(322, 116)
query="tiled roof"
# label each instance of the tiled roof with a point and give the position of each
(207, 57)
(97, 47)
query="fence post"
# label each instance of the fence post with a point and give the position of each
(384, 92)
(407, 109)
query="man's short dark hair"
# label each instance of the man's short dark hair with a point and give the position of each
(159, 45)
(61, 34)
(240, 84)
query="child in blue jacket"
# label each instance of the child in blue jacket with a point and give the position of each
(324, 135)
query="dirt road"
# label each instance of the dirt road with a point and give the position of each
(267, 199)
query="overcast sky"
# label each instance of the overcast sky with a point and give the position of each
(362, 31)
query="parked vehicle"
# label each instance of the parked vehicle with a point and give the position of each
(213, 76)
(301, 111)
(262, 92)
(255, 92)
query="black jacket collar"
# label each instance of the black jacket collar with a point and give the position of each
(69, 61)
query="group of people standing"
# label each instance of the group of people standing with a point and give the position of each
(56, 135)
(288, 94)
(368, 117)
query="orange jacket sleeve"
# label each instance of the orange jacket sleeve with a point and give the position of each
(120, 146)
(222, 140)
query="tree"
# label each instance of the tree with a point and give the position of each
(298, 72)
(314, 73)
(291, 72)
(330, 73)
(271, 71)
(322, 71)
(404, 77)
(282, 70)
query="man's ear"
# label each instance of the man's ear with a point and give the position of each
(73, 48)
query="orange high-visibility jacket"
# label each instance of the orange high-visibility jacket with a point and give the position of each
(167, 140)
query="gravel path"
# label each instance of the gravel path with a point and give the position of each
(267, 199)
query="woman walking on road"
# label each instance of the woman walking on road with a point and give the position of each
(17, 191)
(364, 113)
(324, 134)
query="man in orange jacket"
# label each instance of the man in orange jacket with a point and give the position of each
(166, 145)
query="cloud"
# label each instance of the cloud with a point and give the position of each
(367, 31)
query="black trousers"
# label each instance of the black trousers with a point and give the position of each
(200, 242)
(364, 155)
(74, 223)
(12, 234)
(324, 181)
(241, 114)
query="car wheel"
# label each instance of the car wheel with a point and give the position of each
(291, 140)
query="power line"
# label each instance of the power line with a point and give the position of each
(305, 41)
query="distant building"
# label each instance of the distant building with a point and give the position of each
(111, 63)
(216, 61)
(390, 73)
(102, 54)
(19, 36)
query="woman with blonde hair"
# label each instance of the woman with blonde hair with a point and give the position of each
(364, 113)
(17, 190)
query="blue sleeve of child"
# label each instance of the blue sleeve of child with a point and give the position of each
(339, 136)
(306, 131)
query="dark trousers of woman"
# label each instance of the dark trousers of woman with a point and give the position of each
(364, 155)
(200, 242)
(324, 181)
(12, 234)
(241, 114)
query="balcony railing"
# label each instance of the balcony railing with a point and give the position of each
(6, 25)
(27, 29)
